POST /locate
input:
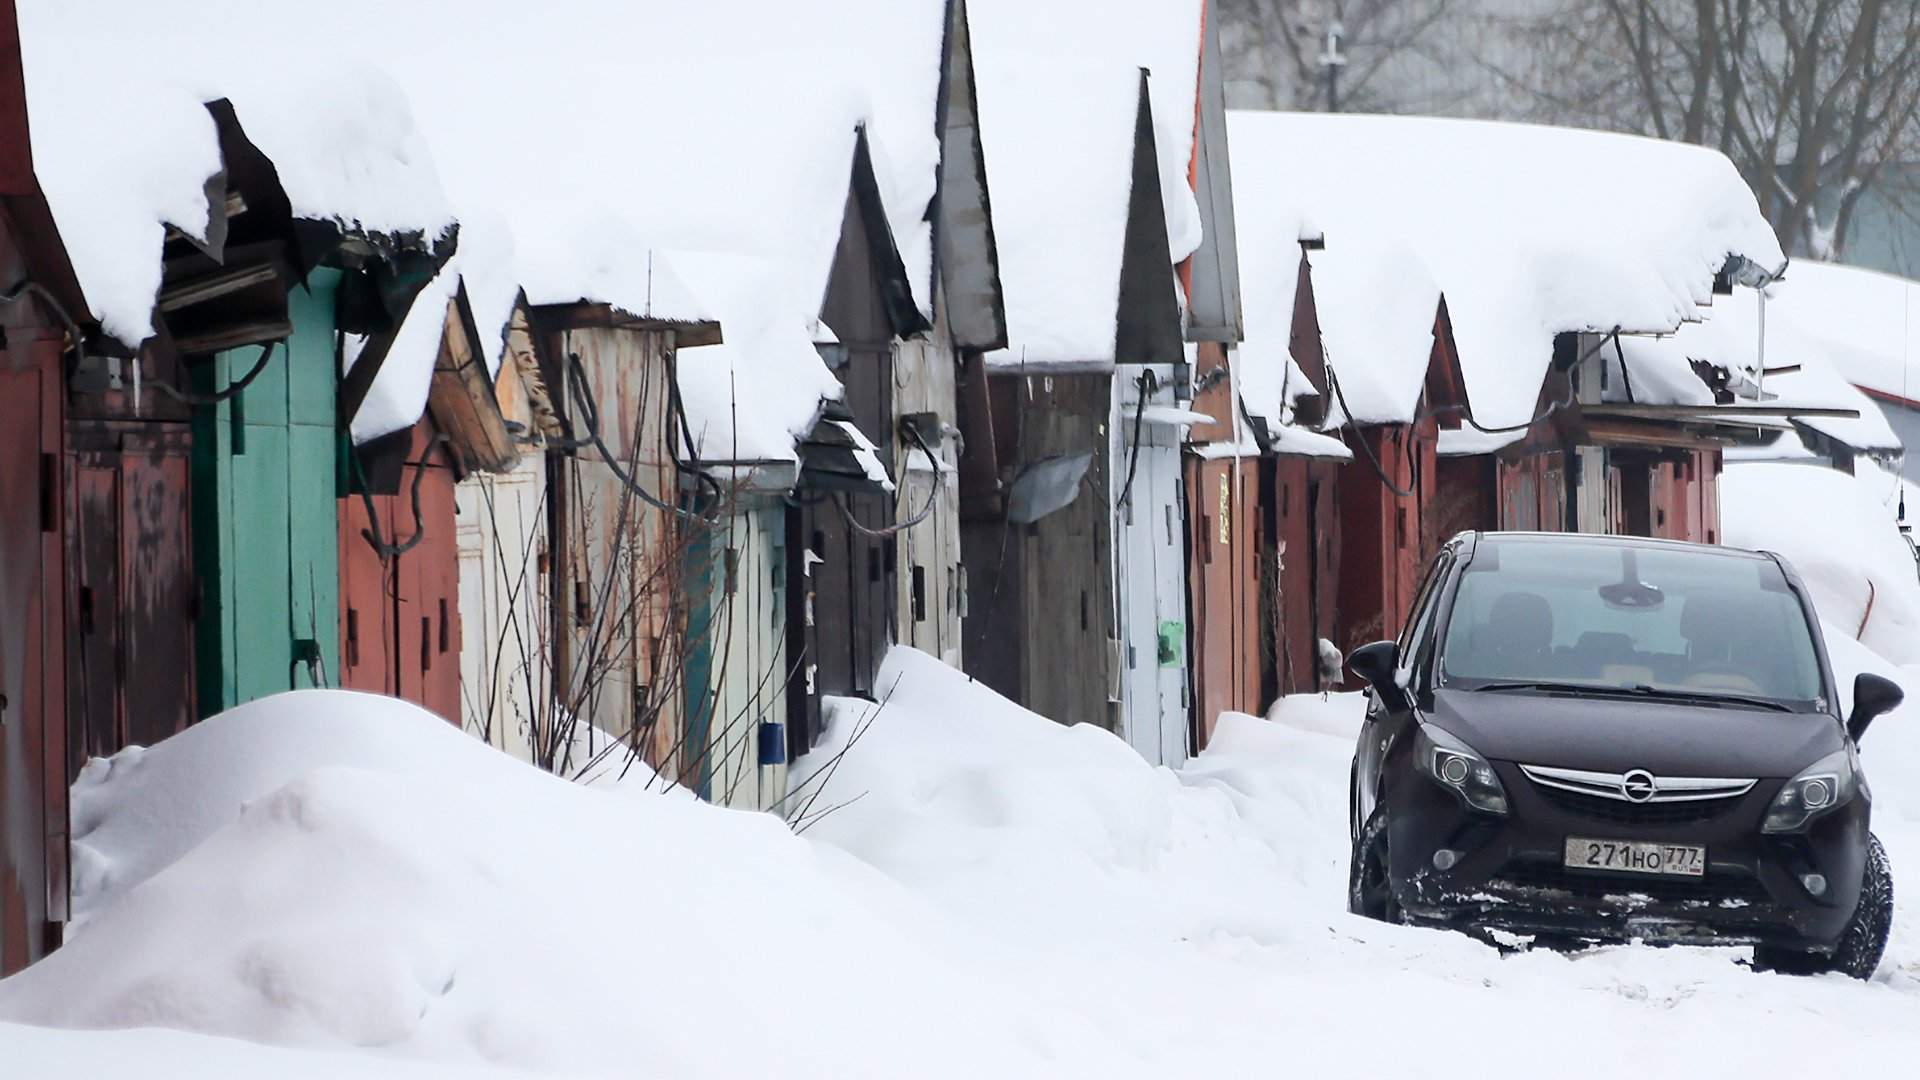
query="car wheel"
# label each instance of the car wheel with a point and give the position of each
(1369, 886)
(1865, 939)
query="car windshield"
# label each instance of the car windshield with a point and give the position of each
(1632, 618)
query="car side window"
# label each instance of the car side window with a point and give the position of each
(1425, 603)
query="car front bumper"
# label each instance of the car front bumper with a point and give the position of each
(1510, 874)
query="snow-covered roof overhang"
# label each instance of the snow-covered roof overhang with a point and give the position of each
(122, 159)
(1528, 231)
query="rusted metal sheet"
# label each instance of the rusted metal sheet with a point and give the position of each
(400, 615)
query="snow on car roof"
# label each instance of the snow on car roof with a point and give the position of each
(1528, 231)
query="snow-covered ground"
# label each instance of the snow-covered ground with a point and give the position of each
(990, 894)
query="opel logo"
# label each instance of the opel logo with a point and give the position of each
(1638, 786)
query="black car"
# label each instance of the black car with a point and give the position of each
(1591, 738)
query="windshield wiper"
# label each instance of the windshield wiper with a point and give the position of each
(1712, 699)
(1640, 691)
(1555, 687)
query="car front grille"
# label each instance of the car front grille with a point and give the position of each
(1731, 889)
(1615, 811)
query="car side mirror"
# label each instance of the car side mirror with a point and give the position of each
(1376, 663)
(1872, 695)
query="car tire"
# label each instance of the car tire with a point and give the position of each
(1369, 884)
(1865, 939)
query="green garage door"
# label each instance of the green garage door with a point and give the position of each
(265, 484)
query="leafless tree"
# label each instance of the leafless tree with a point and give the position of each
(1274, 49)
(1814, 100)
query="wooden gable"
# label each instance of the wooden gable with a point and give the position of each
(1147, 320)
(968, 261)
(1212, 273)
(462, 397)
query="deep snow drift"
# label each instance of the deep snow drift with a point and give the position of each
(993, 895)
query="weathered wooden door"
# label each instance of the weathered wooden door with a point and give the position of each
(267, 468)
(130, 601)
(33, 736)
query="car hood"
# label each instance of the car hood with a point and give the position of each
(1615, 735)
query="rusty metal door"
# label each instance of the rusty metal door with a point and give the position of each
(399, 616)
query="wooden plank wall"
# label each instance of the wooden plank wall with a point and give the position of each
(615, 579)
(1039, 626)
(927, 605)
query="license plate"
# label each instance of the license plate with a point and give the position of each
(1636, 856)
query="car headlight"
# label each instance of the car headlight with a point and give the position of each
(1455, 766)
(1825, 785)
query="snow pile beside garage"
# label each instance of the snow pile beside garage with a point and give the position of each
(1839, 532)
(1528, 231)
(335, 870)
(999, 815)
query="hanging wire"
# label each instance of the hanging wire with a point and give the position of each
(933, 497)
(1147, 383)
(393, 549)
(34, 288)
(590, 416)
(189, 397)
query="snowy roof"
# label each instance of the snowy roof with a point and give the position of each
(1823, 341)
(576, 171)
(1376, 304)
(1059, 145)
(1059, 99)
(1528, 231)
(1865, 324)
(121, 158)
(1161, 36)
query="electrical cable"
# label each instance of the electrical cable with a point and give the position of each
(1146, 384)
(933, 496)
(34, 288)
(1379, 470)
(189, 397)
(392, 550)
(590, 415)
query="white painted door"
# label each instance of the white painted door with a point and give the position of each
(1152, 594)
(502, 588)
(749, 668)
